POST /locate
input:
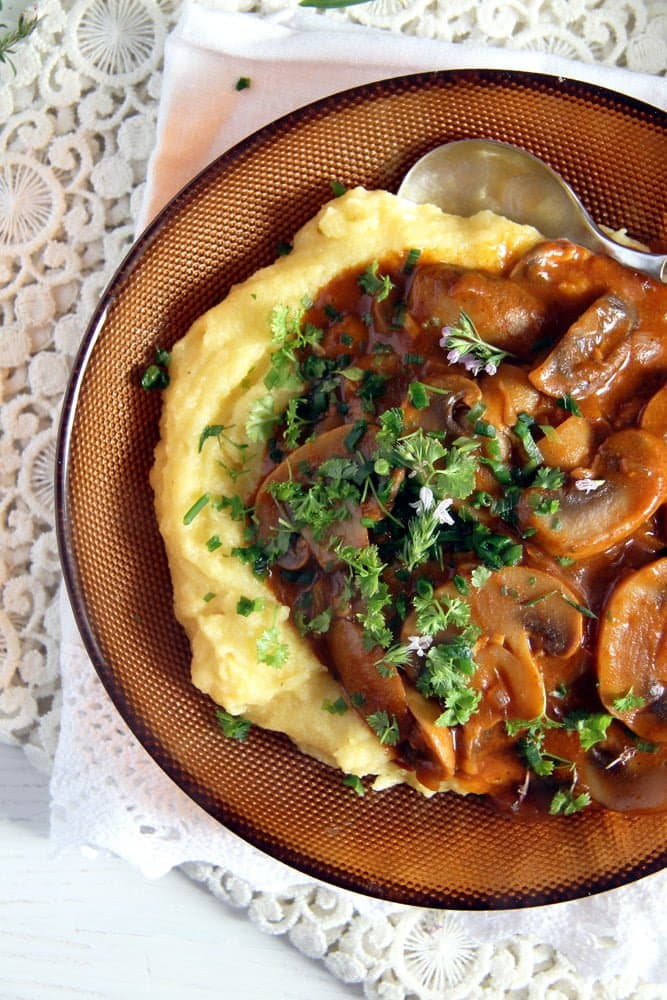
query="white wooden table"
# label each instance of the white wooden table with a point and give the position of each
(95, 929)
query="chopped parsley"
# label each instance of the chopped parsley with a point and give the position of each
(156, 376)
(354, 782)
(566, 803)
(245, 606)
(376, 285)
(591, 726)
(628, 702)
(235, 727)
(271, 649)
(385, 728)
(337, 707)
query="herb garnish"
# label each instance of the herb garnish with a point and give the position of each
(466, 347)
(628, 702)
(569, 404)
(385, 729)
(155, 376)
(235, 727)
(245, 606)
(353, 781)
(10, 39)
(374, 284)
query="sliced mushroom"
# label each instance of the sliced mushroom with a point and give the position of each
(528, 612)
(505, 313)
(632, 652)
(572, 445)
(590, 351)
(631, 467)
(434, 744)
(453, 398)
(561, 272)
(429, 298)
(356, 666)
(526, 620)
(654, 416)
(623, 777)
(300, 466)
(508, 393)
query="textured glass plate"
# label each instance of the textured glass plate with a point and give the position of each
(448, 851)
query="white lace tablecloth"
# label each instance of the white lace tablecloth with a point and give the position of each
(79, 118)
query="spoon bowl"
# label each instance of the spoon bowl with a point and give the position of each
(467, 176)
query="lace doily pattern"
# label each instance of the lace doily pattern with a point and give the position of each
(79, 112)
(78, 127)
(415, 954)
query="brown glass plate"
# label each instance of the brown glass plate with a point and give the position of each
(448, 851)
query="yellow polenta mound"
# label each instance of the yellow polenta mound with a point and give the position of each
(216, 374)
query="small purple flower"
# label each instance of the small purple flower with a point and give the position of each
(446, 334)
(419, 644)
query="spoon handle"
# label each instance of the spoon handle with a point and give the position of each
(653, 264)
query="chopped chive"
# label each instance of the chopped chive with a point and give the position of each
(586, 612)
(242, 83)
(418, 395)
(354, 436)
(338, 188)
(569, 404)
(411, 261)
(398, 317)
(196, 508)
(154, 377)
(332, 313)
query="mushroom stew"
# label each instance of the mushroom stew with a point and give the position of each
(464, 507)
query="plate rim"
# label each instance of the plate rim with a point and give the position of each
(114, 288)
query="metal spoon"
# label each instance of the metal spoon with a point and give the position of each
(467, 176)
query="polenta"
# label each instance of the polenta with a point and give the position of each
(380, 459)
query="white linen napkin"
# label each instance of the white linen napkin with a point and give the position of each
(297, 57)
(106, 792)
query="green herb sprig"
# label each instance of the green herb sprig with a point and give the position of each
(11, 38)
